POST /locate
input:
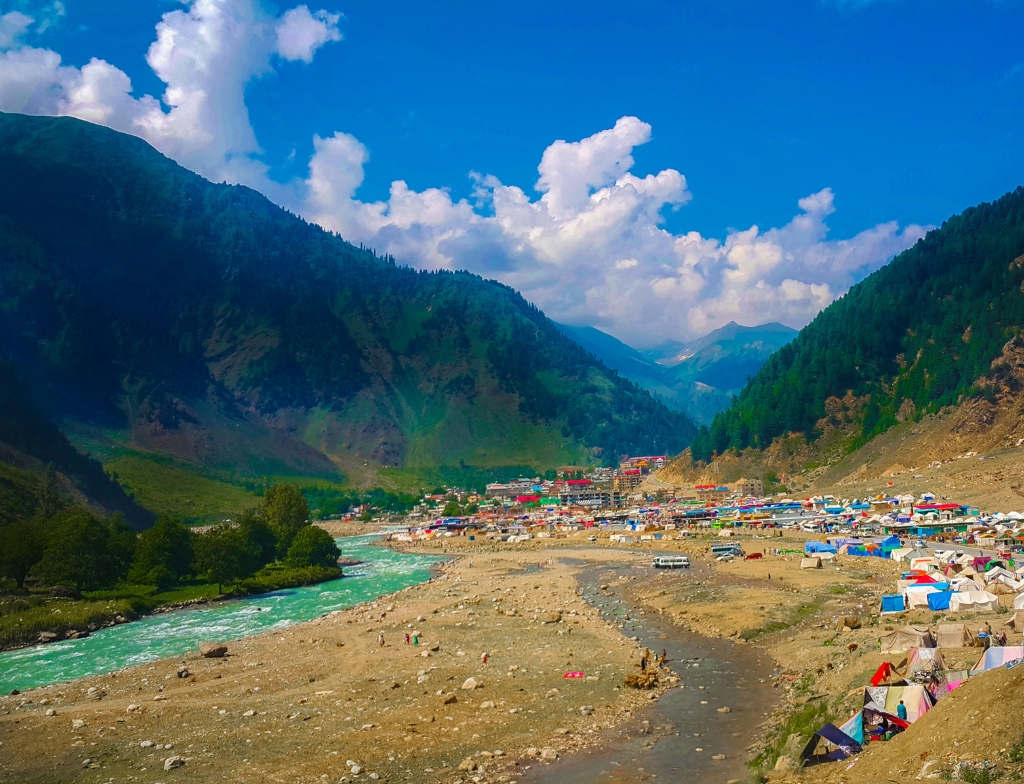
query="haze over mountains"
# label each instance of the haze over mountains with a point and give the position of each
(699, 377)
(152, 310)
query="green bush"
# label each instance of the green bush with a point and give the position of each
(313, 546)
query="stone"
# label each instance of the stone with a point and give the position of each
(146, 744)
(78, 724)
(51, 712)
(552, 617)
(548, 755)
(718, 756)
(451, 699)
(183, 672)
(355, 770)
(47, 636)
(552, 693)
(133, 708)
(725, 709)
(249, 712)
(213, 650)
(487, 704)
(173, 762)
(586, 710)
(785, 764)
(435, 647)
(159, 697)
(467, 765)
(470, 683)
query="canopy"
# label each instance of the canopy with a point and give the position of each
(906, 638)
(818, 547)
(953, 635)
(997, 657)
(854, 726)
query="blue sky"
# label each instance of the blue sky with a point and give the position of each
(905, 110)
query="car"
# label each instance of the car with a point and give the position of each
(920, 543)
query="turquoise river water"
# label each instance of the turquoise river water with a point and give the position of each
(170, 634)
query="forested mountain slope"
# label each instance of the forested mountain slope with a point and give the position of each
(147, 305)
(909, 339)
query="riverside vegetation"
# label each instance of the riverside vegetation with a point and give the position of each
(69, 570)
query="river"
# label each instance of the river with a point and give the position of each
(383, 571)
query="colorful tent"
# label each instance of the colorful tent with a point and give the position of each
(997, 657)
(886, 699)
(927, 660)
(837, 745)
(854, 726)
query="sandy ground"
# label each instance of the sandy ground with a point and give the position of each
(300, 704)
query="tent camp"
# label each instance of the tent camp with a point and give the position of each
(886, 699)
(810, 563)
(917, 596)
(905, 638)
(953, 635)
(924, 660)
(997, 657)
(973, 601)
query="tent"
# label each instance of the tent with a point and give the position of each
(810, 563)
(973, 601)
(1015, 623)
(906, 638)
(886, 699)
(1018, 603)
(927, 660)
(893, 603)
(854, 726)
(953, 635)
(917, 596)
(997, 657)
(818, 547)
(939, 600)
(837, 746)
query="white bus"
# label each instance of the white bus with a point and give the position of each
(671, 562)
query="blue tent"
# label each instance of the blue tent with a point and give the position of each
(844, 745)
(818, 547)
(892, 603)
(939, 600)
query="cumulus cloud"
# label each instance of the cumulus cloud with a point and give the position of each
(593, 249)
(205, 54)
(589, 246)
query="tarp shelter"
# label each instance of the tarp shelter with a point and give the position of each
(939, 600)
(886, 699)
(905, 638)
(1015, 622)
(818, 547)
(997, 657)
(973, 601)
(884, 672)
(837, 746)
(927, 660)
(893, 603)
(953, 635)
(854, 726)
(810, 563)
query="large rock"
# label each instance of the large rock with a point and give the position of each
(849, 622)
(552, 617)
(173, 762)
(213, 650)
(470, 684)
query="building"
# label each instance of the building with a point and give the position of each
(627, 480)
(748, 487)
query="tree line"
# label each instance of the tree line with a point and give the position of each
(69, 545)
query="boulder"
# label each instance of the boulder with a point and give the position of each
(451, 699)
(470, 683)
(552, 617)
(548, 755)
(64, 592)
(173, 762)
(47, 636)
(467, 765)
(850, 622)
(213, 650)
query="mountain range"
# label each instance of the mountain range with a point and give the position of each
(698, 377)
(160, 317)
(912, 339)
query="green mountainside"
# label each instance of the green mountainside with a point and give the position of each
(156, 315)
(907, 340)
(36, 459)
(698, 377)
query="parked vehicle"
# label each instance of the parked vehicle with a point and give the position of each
(671, 562)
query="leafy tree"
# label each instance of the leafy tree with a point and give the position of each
(313, 546)
(121, 544)
(224, 555)
(78, 551)
(21, 548)
(451, 509)
(285, 510)
(164, 554)
(258, 536)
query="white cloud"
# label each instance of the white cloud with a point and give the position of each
(206, 55)
(13, 26)
(592, 248)
(301, 32)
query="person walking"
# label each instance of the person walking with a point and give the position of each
(415, 640)
(483, 657)
(380, 639)
(901, 711)
(407, 638)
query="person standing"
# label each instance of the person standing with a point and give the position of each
(901, 711)
(380, 639)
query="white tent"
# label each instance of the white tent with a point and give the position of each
(973, 601)
(917, 596)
